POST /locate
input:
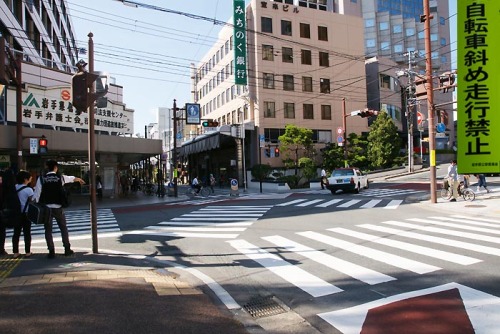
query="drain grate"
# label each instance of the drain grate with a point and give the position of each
(260, 307)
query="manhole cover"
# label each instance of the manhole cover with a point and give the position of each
(475, 206)
(260, 307)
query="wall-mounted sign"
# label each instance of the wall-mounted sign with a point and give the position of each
(240, 43)
(52, 107)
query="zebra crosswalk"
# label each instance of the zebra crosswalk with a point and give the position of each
(417, 246)
(221, 222)
(343, 203)
(79, 226)
(372, 192)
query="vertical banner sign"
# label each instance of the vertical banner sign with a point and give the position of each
(240, 43)
(478, 113)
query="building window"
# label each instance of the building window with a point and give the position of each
(287, 55)
(383, 26)
(398, 48)
(324, 85)
(269, 109)
(267, 52)
(370, 43)
(442, 21)
(268, 80)
(266, 24)
(385, 81)
(326, 112)
(323, 59)
(443, 41)
(305, 30)
(384, 46)
(322, 33)
(397, 29)
(410, 32)
(369, 23)
(289, 110)
(308, 111)
(421, 35)
(434, 37)
(306, 57)
(286, 28)
(307, 84)
(288, 82)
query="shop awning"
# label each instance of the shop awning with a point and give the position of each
(202, 143)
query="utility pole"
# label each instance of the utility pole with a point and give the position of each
(411, 103)
(90, 103)
(174, 152)
(344, 124)
(426, 18)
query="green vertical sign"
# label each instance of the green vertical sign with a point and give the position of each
(240, 43)
(478, 115)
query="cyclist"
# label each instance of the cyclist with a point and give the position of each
(196, 185)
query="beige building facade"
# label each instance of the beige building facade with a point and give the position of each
(306, 67)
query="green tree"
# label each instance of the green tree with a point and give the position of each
(357, 151)
(296, 142)
(383, 142)
(260, 172)
(333, 156)
(308, 167)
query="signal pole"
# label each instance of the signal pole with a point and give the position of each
(426, 18)
(90, 104)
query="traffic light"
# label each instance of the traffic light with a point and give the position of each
(80, 84)
(210, 123)
(267, 152)
(276, 152)
(42, 145)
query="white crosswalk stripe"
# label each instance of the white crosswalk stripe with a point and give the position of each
(217, 222)
(390, 244)
(78, 222)
(386, 192)
(343, 203)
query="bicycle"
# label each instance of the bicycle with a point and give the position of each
(204, 192)
(149, 189)
(467, 193)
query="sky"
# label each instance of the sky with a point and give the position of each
(149, 51)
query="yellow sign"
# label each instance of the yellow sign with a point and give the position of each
(478, 119)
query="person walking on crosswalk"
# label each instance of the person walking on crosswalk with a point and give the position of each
(481, 182)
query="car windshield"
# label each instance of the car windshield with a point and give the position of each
(343, 172)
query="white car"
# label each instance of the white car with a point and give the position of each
(347, 179)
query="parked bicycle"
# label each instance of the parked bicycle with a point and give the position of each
(467, 193)
(204, 192)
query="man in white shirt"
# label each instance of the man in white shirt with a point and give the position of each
(196, 184)
(453, 179)
(323, 178)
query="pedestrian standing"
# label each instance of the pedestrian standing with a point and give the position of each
(48, 190)
(212, 182)
(24, 193)
(323, 178)
(453, 179)
(481, 182)
(98, 185)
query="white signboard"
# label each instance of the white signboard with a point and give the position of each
(53, 107)
(33, 145)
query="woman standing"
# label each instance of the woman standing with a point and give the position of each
(25, 193)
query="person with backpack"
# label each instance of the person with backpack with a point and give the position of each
(49, 191)
(24, 193)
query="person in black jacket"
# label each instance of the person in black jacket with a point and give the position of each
(48, 190)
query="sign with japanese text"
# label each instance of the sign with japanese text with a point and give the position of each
(52, 107)
(478, 117)
(240, 43)
(193, 115)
